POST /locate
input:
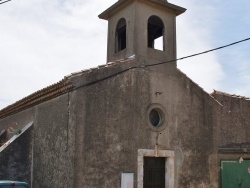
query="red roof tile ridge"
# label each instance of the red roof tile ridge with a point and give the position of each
(37, 97)
(53, 90)
(103, 66)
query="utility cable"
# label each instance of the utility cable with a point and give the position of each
(174, 60)
(4, 1)
(214, 49)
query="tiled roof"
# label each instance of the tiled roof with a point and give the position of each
(38, 97)
(93, 69)
(66, 85)
(229, 95)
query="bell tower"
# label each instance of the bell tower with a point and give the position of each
(144, 28)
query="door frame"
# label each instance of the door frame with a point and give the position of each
(167, 154)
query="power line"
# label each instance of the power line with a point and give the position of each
(214, 49)
(174, 60)
(4, 1)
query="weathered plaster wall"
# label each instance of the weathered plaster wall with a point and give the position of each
(53, 144)
(232, 130)
(190, 129)
(88, 137)
(114, 126)
(53, 149)
(235, 119)
(111, 128)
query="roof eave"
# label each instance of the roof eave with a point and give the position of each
(113, 9)
(123, 3)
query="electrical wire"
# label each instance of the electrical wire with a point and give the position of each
(4, 1)
(214, 49)
(174, 60)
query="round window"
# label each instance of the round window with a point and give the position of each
(156, 117)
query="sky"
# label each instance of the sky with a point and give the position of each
(43, 41)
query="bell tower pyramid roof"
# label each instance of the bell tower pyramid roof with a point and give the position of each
(122, 3)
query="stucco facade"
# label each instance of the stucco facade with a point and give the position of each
(94, 125)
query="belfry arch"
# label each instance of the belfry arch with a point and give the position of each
(155, 31)
(121, 35)
(144, 29)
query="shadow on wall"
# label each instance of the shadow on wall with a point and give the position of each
(16, 155)
(3, 137)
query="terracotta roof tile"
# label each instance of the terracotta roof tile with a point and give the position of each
(38, 97)
(56, 89)
(229, 95)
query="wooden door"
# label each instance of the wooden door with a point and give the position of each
(154, 172)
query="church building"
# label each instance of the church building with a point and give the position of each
(135, 122)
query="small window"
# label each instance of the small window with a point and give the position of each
(155, 33)
(156, 117)
(121, 35)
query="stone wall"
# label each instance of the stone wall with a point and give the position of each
(235, 119)
(115, 126)
(52, 149)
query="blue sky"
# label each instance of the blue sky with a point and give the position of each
(216, 23)
(43, 41)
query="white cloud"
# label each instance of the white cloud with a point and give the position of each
(195, 35)
(42, 41)
(242, 73)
